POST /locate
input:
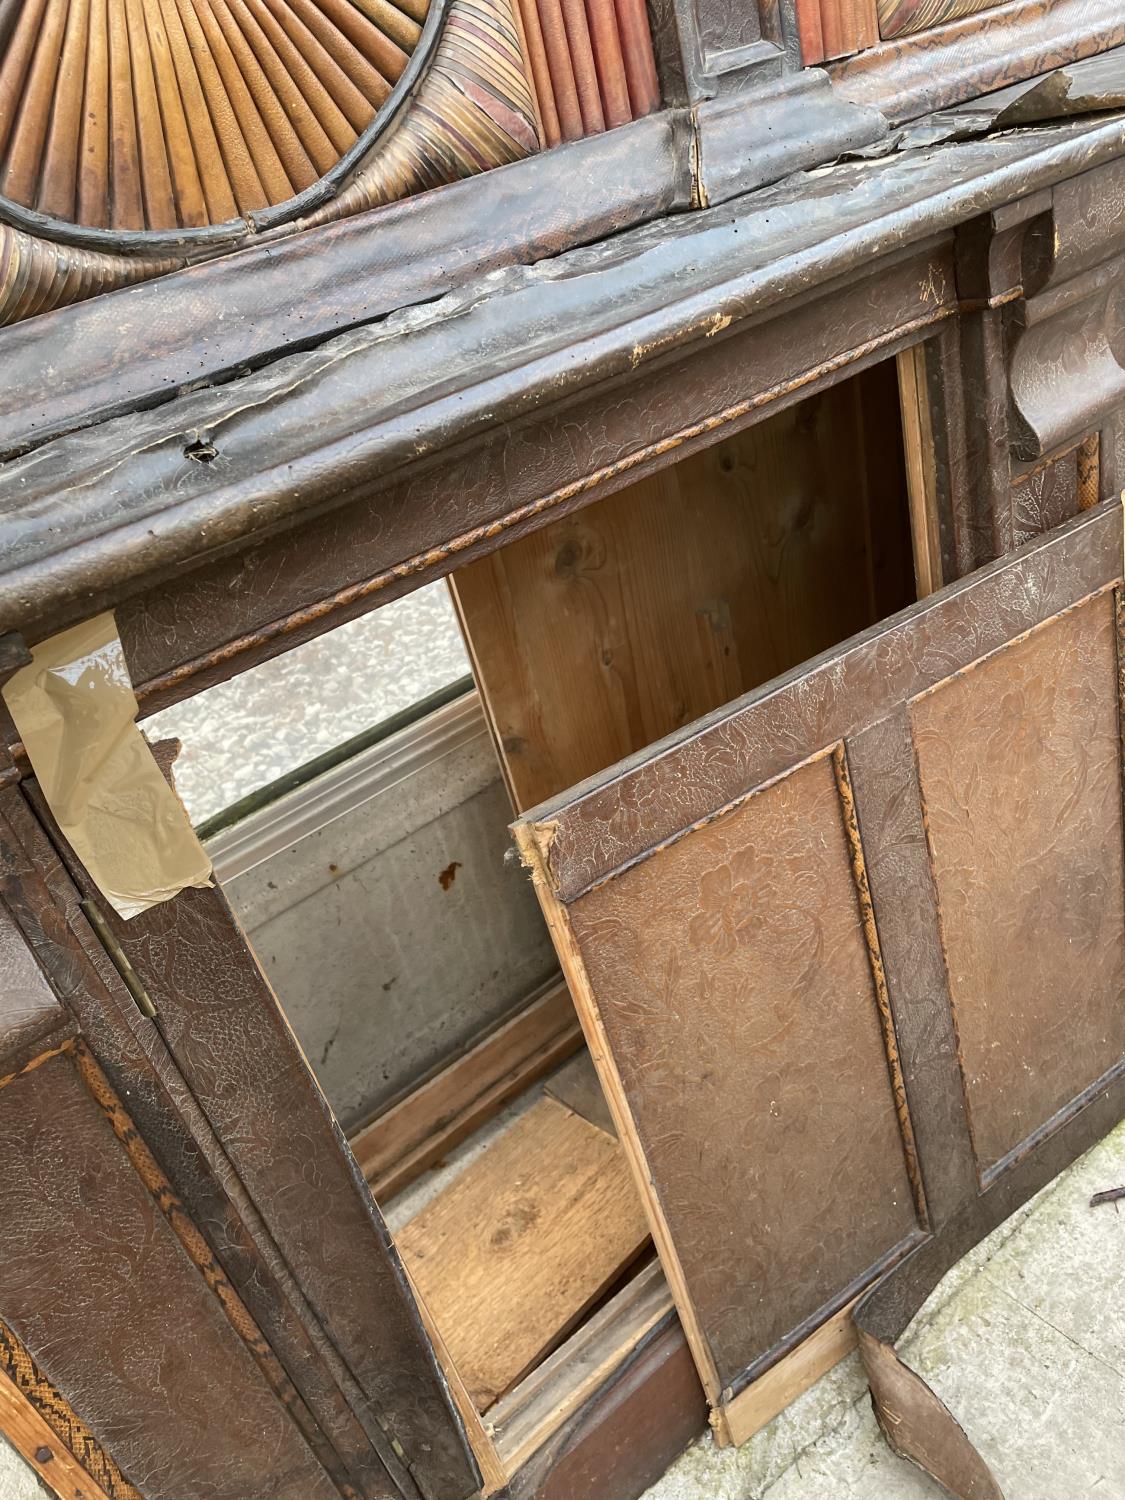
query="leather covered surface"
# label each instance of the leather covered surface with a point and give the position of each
(1020, 768)
(735, 917)
(745, 1023)
(93, 1281)
(28, 1010)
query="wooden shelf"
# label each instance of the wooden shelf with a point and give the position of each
(511, 1255)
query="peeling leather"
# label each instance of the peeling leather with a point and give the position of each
(921, 1428)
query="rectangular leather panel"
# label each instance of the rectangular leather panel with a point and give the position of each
(29, 1012)
(227, 1034)
(96, 1285)
(740, 1006)
(1020, 767)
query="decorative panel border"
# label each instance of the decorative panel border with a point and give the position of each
(57, 1414)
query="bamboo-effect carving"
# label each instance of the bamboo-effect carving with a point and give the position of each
(903, 17)
(139, 135)
(591, 62)
(472, 109)
(38, 274)
(835, 28)
(465, 118)
(164, 114)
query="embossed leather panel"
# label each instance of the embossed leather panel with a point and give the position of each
(228, 1036)
(738, 998)
(990, 711)
(95, 1284)
(28, 1009)
(1020, 766)
(131, 1051)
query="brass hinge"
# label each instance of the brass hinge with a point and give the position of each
(117, 957)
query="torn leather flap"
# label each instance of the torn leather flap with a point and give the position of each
(75, 711)
(920, 1427)
(915, 1422)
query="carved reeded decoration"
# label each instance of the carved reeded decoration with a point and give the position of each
(139, 135)
(164, 114)
(902, 17)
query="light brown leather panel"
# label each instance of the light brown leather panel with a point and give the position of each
(733, 977)
(1020, 767)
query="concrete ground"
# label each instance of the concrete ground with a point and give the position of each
(1024, 1341)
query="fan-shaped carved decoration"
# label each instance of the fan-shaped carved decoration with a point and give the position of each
(139, 135)
(164, 114)
(904, 17)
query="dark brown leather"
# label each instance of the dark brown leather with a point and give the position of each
(226, 1034)
(95, 1284)
(29, 1012)
(366, 1464)
(136, 1060)
(735, 987)
(920, 1427)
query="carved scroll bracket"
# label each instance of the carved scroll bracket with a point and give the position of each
(1066, 369)
(1050, 271)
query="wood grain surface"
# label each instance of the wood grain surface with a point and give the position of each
(40, 1446)
(601, 633)
(399, 1144)
(512, 1253)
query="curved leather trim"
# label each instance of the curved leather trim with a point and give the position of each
(920, 1427)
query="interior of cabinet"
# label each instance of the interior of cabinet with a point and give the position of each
(600, 633)
(501, 1176)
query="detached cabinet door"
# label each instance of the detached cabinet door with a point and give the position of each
(190, 1254)
(851, 948)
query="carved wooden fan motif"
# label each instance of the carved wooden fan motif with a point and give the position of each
(165, 114)
(904, 17)
(139, 135)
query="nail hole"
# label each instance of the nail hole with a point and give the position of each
(201, 450)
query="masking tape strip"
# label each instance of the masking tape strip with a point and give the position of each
(75, 711)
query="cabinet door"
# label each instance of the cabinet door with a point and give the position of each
(190, 1253)
(851, 949)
